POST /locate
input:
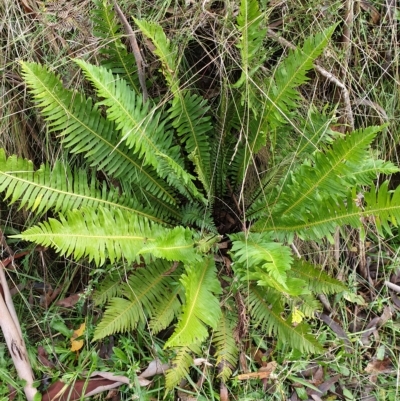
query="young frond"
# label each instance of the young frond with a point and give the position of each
(262, 260)
(164, 49)
(100, 234)
(144, 293)
(201, 307)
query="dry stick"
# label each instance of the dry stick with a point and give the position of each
(347, 32)
(135, 49)
(12, 333)
(327, 75)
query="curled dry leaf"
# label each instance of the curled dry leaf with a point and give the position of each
(263, 373)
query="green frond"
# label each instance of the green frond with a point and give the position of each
(146, 290)
(60, 189)
(367, 172)
(142, 129)
(267, 309)
(107, 28)
(195, 214)
(181, 364)
(164, 49)
(113, 234)
(330, 175)
(250, 23)
(179, 178)
(282, 97)
(170, 308)
(307, 304)
(84, 130)
(225, 345)
(381, 208)
(108, 288)
(201, 307)
(261, 259)
(317, 280)
(188, 114)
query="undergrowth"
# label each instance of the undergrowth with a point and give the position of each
(213, 219)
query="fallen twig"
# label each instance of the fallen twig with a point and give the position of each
(135, 49)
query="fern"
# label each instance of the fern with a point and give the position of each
(282, 96)
(317, 280)
(250, 21)
(60, 189)
(202, 305)
(188, 112)
(107, 28)
(109, 288)
(146, 290)
(84, 130)
(180, 365)
(226, 348)
(111, 235)
(172, 168)
(263, 260)
(267, 310)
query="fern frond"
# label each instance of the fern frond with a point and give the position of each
(365, 173)
(307, 304)
(164, 49)
(180, 365)
(201, 307)
(382, 208)
(146, 290)
(263, 260)
(266, 309)
(188, 112)
(60, 189)
(142, 129)
(108, 29)
(169, 309)
(226, 348)
(109, 288)
(328, 176)
(282, 96)
(195, 214)
(111, 234)
(317, 280)
(250, 21)
(84, 130)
